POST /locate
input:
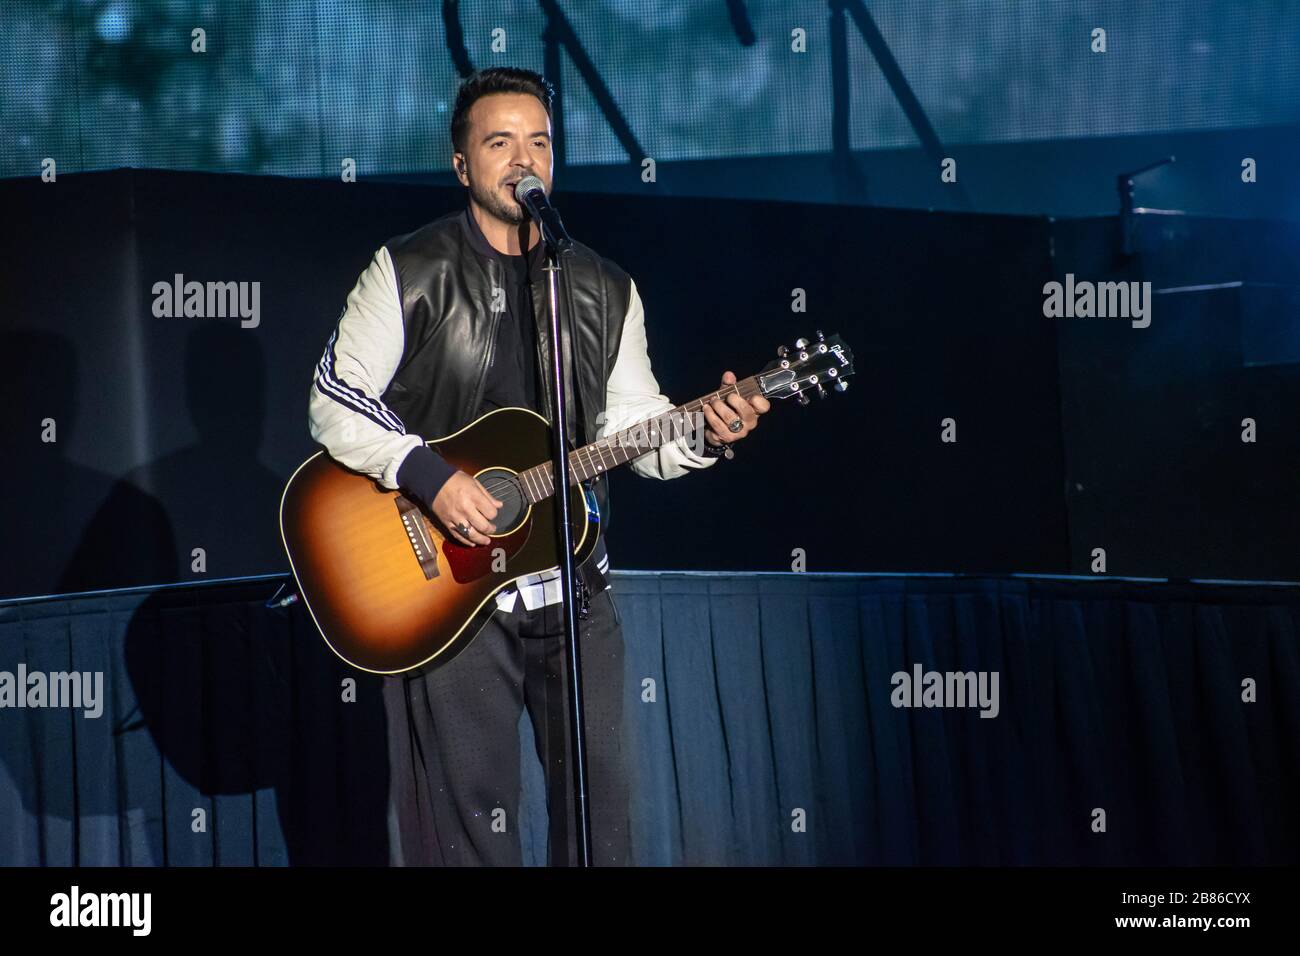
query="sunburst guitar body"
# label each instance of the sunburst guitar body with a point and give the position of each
(388, 588)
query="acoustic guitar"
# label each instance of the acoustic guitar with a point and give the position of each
(391, 591)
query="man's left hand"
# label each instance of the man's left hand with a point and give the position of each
(718, 415)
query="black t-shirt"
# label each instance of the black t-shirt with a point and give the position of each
(513, 380)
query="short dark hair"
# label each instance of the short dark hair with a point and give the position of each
(497, 79)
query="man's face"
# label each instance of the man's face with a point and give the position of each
(509, 138)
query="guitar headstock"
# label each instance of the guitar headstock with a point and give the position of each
(808, 367)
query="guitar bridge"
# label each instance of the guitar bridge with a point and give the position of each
(417, 530)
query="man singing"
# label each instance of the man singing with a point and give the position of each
(440, 329)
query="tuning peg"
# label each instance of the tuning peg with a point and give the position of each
(802, 398)
(782, 351)
(801, 343)
(821, 390)
(820, 336)
(841, 386)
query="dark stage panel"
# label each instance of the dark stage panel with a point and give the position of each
(175, 435)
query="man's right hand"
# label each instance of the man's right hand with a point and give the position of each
(462, 500)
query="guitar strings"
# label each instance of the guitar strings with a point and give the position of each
(501, 487)
(742, 388)
(591, 456)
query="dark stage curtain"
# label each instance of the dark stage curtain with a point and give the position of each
(759, 721)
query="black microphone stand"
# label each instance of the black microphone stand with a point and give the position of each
(557, 245)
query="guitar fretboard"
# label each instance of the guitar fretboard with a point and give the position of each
(632, 442)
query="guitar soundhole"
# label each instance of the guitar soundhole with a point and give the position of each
(504, 486)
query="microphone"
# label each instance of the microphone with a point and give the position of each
(531, 194)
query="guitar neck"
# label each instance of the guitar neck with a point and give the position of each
(632, 442)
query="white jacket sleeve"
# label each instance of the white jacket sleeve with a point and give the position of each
(345, 411)
(633, 396)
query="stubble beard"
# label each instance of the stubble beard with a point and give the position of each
(511, 213)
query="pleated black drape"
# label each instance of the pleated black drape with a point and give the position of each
(760, 716)
(775, 697)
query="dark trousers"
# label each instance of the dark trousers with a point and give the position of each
(453, 742)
